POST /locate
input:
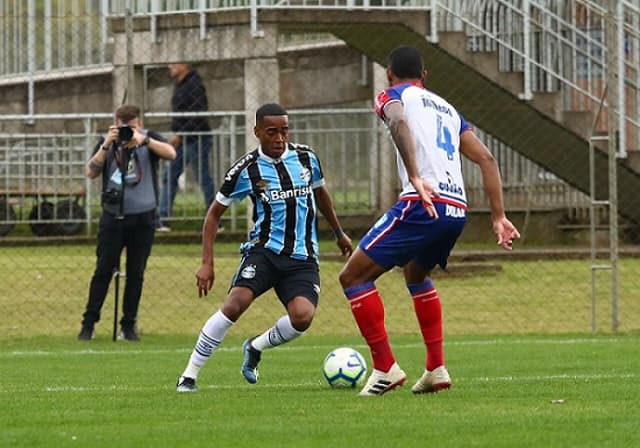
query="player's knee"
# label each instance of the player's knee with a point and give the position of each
(236, 304)
(346, 278)
(301, 322)
(301, 317)
(232, 311)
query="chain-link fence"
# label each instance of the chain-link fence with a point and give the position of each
(534, 78)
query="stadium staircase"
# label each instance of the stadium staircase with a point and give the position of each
(539, 129)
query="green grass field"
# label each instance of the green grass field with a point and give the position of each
(526, 370)
(509, 391)
(46, 291)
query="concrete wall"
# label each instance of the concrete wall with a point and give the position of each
(84, 94)
(308, 78)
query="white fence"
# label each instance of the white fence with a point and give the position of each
(42, 180)
(557, 45)
(560, 46)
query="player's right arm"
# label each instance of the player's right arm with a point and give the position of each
(403, 138)
(236, 186)
(205, 275)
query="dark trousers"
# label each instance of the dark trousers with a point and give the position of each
(135, 233)
(195, 152)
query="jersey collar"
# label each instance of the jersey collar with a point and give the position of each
(271, 159)
(413, 82)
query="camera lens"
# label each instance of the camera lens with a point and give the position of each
(125, 133)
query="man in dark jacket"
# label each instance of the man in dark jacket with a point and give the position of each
(191, 138)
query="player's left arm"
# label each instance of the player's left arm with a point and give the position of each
(472, 148)
(403, 138)
(325, 205)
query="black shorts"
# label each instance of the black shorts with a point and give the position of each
(262, 269)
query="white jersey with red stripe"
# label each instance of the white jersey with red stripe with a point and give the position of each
(436, 126)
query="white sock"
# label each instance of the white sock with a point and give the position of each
(211, 336)
(280, 333)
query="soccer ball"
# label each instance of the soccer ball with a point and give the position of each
(344, 367)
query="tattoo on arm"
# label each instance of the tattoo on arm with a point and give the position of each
(95, 166)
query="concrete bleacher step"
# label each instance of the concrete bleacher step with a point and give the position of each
(538, 129)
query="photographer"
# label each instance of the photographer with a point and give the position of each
(127, 158)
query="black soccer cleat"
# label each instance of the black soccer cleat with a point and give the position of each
(186, 384)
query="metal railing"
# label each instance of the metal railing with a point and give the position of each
(558, 46)
(41, 37)
(42, 180)
(39, 171)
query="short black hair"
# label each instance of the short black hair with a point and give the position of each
(269, 109)
(406, 62)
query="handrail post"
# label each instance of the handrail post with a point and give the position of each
(613, 103)
(203, 20)
(31, 55)
(526, 50)
(622, 137)
(153, 21)
(255, 32)
(433, 22)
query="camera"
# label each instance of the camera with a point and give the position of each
(125, 133)
(111, 196)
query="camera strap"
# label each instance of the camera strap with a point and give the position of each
(105, 167)
(121, 205)
(128, 162)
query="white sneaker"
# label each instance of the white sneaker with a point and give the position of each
(432, 381)
(381, 382)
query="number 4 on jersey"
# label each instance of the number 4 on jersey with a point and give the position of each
(443, 139)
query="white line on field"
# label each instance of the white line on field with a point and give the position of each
(581, 377)
(308, 384)
(235, 348)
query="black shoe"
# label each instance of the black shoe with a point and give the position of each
(186, 384)
(129, 334)
(86, 333)
(250, 362)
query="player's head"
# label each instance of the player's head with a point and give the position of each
(405, 63)
(272, 129)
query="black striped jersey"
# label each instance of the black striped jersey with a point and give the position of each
(284, 208)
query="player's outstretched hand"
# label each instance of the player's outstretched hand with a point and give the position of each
(204, 279)
(505, 233)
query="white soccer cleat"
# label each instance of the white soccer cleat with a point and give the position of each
(381, 382)
(432, 381)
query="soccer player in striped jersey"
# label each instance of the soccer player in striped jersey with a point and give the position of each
(286, 186)
(420, 230)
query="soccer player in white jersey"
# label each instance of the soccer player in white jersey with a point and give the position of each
(420, 230)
